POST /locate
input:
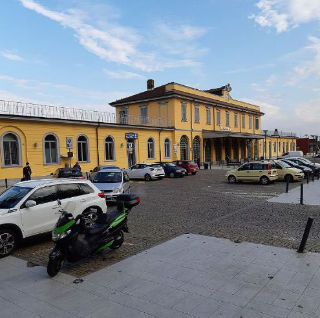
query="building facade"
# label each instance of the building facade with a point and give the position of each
(166, 123)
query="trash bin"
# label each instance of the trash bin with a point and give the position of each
(205, 165)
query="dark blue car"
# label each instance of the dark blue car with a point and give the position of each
(171, 170)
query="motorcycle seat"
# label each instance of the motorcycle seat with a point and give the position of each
(96, 229)
(108, 218)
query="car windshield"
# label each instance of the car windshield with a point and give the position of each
(170, 164)
(12, 196)
(70, 173)
(305, 160)
(156, 166)
(108, 177)
(284, 164)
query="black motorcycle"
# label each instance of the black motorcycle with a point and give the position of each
(107, 231)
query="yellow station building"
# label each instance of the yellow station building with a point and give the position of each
(165, 123)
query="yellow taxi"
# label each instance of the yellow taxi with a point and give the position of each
(255, 171)
(288, 173)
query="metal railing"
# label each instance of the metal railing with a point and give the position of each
(270, 133)
(59, 112)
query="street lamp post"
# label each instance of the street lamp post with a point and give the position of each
(265, 144)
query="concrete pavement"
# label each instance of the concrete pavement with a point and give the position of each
(189, 276)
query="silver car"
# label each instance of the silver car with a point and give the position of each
(112, 182)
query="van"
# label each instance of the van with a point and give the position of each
(291, 154)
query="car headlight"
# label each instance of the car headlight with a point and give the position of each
(116, 190)
(57, 237)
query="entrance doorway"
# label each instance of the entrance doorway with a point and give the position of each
(131, 152)
(196, 150)
(207, 150)
(184, 148)
(235, 149)
(217, 146)
(243, 149)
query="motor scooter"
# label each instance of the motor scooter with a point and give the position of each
(107, 231)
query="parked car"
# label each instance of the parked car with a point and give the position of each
(190, 166)
(288, 173)
(30, 207)
(256, 171)
(305, 169)
(171, 170)
(291, 154)
(306, 163)
(146, 171)
(112, 182)
(94, 171)
(67, 173)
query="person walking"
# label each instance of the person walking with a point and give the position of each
(26, 171)
(77, 166)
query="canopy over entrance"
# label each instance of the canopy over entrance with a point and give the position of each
(218, 134)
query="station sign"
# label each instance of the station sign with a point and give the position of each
(131, 136)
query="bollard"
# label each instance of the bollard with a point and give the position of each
(308, 177)
(6, 182)
(87, 175)
(301, 193)
(312, 177)
(305, 235)
(287, 185)
(318, 176)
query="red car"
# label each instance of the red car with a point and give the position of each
(188, 165)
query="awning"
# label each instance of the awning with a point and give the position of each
(225, 134)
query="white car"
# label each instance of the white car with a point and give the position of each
(30, 207)
(146, 171)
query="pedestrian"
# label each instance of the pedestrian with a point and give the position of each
(26, 171)
(227, 158)
(77, 166)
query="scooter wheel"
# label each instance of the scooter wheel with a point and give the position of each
(118, 241)
(54, 266)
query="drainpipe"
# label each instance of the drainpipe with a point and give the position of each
(97, 140)
(160, 144)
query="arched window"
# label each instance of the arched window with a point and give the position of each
(51, 150)
(167, 148)
(83, 149)
(109, 149)
(150, 148)
(184, 148)
(11, 150)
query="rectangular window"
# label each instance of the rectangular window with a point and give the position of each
(218, 117)
(250, 121)
(227, 119)
(143, 114)
(274, 147)
(196, 114)
(183, 111)
(235, 119)
(208, 113)
(257, 123)
(243, 121)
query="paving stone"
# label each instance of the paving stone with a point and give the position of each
(206, 308)
(187, 304)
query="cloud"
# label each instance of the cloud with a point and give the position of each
(123, 75)
(111, 42)
(11, 56)
(305, 69)
(285, 14)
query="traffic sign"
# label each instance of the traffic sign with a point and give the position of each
(69, 142)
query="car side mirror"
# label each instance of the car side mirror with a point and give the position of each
(51, 174)
(30, 203)
(90, 171)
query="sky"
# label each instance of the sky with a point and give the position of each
(88, 53)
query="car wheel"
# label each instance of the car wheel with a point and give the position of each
(264, 180)
(288, 178)
(193, 173)
(232, 179)
(8, 242)
(171, 175)
(90, 216)
(186, 174)
(147, 177)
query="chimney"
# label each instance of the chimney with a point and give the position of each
(150, 84)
